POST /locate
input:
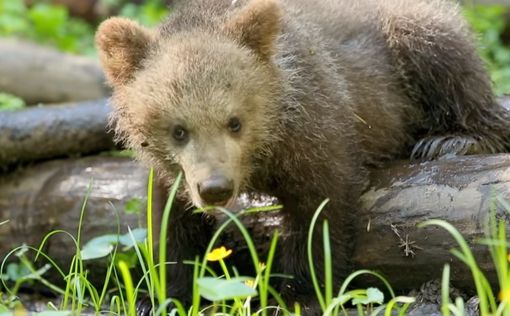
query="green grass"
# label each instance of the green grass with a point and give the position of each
(230, 293)
(498, 245)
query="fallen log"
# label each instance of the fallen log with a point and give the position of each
(50, 195)
(40, 74)
(459, 190)
(54, 131)
(69, 129)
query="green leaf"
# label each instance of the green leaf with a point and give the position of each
(12, 25)
(97, 251)
(99, 247)
(48, 19)
(12, 7)
(134, 206)
(102, 246)
(16, 271)
(130, 258)
(149, 13)
(10, 103)
(139, 234)
(215, 289)
(373, 296)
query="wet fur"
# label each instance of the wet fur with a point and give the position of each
(332, 88)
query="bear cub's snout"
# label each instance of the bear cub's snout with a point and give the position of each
(216, 190)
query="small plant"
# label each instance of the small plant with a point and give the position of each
(368, 301)
(51, 24)
(46, 23)
(228, 292)
(498, 245)
(232, 295)
(78, 293)
(150, 13)
(9, 102)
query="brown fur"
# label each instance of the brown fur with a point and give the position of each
(323, 90)
(122, 46)
(257, 27)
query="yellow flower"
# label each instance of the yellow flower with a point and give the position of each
(218, 254)
(250, 283)
(20, 311)
(262, 266)
(504, 295)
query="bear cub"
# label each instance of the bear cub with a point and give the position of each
(296, 99)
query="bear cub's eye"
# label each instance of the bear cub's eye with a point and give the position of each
(234, 125)
(180, 134)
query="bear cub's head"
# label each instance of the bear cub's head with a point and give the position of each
(201, 100)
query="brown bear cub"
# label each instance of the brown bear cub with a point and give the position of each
(295, 98)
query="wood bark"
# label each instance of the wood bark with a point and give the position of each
(53, 131)
(67, 129)
(40, 74)
(50, 195)
(460, 190)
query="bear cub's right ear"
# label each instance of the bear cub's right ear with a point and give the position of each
(122, 45)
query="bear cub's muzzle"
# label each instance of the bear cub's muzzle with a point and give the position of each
(216, 190)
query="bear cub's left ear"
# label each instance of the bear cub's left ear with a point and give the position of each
(122, 45)
(256, 26)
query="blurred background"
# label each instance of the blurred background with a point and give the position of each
(69, 25)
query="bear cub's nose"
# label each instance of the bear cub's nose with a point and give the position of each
(216, 190)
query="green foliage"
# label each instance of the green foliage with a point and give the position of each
(15, 272)
(78, 292)
(488, 21)
(52, 25)
(373, 295)
(103, 246)
(134, 206)
(219, 289)
(47, 24)
(10, 103)
(232, 295)
(150, 13)
(498, 245)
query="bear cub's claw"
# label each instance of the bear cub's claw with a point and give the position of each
(144, 307)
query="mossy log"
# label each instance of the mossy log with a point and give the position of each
(39, 74)
(460, 190)
(38, 133)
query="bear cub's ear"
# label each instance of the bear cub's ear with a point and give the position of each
(257, 25)
(122, 45)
